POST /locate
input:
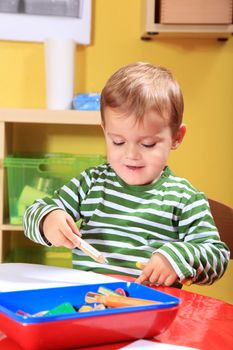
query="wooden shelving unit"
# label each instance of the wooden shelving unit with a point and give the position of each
(219, 32)
(151, 28)
(10, 117)
(36, 116)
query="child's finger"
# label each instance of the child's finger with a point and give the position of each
(68, 233)
(73, 226)
(142, 278)
(169, 280)
(68, 244)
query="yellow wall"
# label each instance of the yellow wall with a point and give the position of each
(204, 68)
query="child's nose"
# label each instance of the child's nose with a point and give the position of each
(132, 152)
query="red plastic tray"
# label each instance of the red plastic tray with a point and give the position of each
(87, 328)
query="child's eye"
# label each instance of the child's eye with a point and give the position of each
(149, 146)
(118, 143)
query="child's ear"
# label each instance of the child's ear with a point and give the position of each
(102, 124)
(178, 138)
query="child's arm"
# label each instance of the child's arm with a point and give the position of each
(199, 254)
(50, 220)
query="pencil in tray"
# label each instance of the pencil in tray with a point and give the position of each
(117, 301)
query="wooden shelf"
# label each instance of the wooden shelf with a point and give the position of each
(11, 117)
(10, 227)
(151, 28)
(184, 30)
(46, 116)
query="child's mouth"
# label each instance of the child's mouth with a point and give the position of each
(132, 167)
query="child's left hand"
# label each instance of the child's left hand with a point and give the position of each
(158, 270)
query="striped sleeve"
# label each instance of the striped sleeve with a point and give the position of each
(66, 198)
(200, 254)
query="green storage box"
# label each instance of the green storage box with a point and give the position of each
(30, 177)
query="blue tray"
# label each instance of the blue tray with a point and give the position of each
(87, 328)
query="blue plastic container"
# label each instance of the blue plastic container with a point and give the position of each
(87, 102)
(71, 330)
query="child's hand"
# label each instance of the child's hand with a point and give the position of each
(158, 270)
(60, 230)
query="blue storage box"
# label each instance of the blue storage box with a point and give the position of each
(70, 330)
(87, 102)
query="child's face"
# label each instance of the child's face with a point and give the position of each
(137, 151)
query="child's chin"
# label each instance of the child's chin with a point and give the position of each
(134, 182)
(133, 179)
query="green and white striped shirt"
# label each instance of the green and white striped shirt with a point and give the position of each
(128, 223)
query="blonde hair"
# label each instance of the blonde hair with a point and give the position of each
(139, 87)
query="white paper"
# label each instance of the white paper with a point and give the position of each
(20, 276)
(146, 344)
(59, 68)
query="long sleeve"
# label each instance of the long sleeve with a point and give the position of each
(200, 254)
(41, 207)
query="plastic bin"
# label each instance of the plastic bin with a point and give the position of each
(87, 102)
(30, 177)
(72, 330)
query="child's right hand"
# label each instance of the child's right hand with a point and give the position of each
(60, 230)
